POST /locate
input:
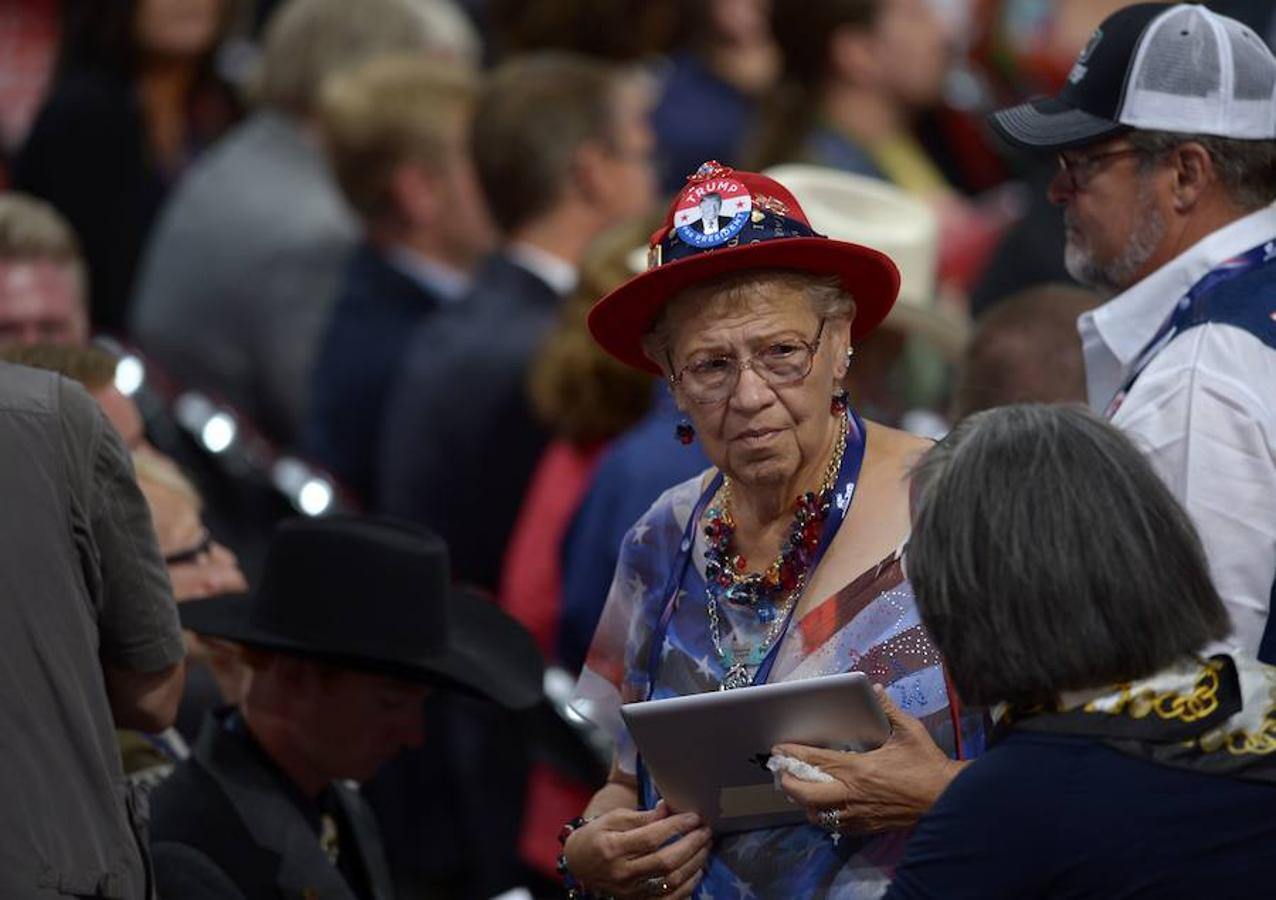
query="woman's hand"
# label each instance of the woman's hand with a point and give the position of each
(626, 853)
(883, 789)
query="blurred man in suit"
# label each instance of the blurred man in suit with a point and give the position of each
(395, 130)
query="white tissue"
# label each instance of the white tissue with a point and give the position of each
(779, 763)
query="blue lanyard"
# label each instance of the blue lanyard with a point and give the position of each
(843, 493)
(1225, 271)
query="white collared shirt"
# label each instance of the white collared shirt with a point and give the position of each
(1204, 413)
(555, 271)
(441, 280)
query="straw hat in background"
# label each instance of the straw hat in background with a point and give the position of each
(868, 211)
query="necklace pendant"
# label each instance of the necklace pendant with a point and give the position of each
(737, 676)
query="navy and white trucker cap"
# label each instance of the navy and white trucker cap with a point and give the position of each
(1155, 67)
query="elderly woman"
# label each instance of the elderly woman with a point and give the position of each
(780, 563)
(1125, 762)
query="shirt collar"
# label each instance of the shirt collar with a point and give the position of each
(1127, 322)
(440, 279)
(555, 271)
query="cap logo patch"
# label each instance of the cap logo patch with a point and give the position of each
(712, 211)
(1080, 69)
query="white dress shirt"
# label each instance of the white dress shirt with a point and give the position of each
(439, 279)
(1204, 412)
(555, 271)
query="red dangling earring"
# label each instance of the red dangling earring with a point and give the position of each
(685, 433)
(840, 404)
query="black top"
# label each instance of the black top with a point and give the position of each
(222, 823)
(87, 154)
(1046, 815)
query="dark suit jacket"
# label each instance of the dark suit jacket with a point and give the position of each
(222, 826)
(458, 446)
(376, 312)
(459, 442)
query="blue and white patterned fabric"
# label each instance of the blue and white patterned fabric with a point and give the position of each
(870, 625)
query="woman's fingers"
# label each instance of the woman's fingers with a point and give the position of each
(816, 756)
(813, 795)
(686, 877)
(664, 857)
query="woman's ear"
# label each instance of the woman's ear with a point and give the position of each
(840, 344)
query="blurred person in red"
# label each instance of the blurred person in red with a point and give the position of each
(396, 133)
(247, 256)
(29, 33)
(42, 277)
(136, 97)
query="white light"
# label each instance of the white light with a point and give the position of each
(218, 432)
(315, 497)
(129, 375)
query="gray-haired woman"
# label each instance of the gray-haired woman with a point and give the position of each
(1069, 592)
(778, 564)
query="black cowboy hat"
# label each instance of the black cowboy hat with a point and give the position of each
(376, 595)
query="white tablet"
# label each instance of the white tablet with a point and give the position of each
(707, 752)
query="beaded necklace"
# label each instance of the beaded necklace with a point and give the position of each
(769, 594)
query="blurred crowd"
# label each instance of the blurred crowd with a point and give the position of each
(324, 264)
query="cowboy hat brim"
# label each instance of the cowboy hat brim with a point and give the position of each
(487, 653)
(619, 320)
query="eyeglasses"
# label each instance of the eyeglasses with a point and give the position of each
(1078, 170)
(712, 379)
(190, 554)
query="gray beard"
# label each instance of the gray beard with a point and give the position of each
(1118, 274)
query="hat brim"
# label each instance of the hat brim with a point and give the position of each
(487, 652)
(1046, 123)
(947, 332)
(619, 320)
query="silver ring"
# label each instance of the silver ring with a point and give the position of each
(831, 820)
(658, 886)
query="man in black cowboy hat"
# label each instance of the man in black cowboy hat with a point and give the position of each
(354, 621)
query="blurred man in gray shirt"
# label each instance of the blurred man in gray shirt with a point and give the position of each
(89, 639)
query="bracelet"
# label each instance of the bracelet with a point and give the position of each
(571, 884)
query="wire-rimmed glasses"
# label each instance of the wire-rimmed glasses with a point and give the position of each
(712, 378)
(1078, 170)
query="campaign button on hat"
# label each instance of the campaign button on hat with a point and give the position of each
(712, 208)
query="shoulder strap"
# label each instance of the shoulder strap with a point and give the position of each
(1247, 302)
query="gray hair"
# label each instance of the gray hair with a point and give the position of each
(308, 40)
(826, 295)
(1247, 169)
(1047, 556)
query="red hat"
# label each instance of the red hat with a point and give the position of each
(727, 221)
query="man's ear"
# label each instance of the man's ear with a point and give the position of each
(415, 194)
(1193, 175)
(589, 167)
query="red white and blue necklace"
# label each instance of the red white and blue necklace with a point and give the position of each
(769, 594)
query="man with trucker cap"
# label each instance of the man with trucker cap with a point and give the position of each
(1166, 139)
